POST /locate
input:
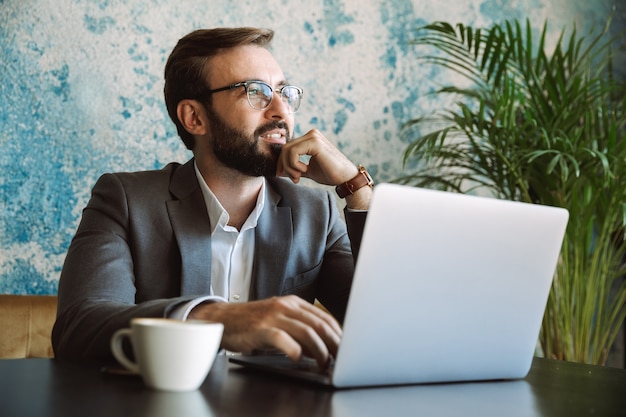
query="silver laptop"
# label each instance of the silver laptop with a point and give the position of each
(447, 288)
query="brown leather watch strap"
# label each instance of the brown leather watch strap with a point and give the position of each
(362, 179)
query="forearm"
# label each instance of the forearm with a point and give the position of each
(84, 329)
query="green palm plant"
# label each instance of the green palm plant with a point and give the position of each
(538, 128)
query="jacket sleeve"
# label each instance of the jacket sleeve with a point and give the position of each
(355, 222)
(97, 288)
(340, 259)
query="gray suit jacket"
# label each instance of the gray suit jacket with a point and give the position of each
(143, 247)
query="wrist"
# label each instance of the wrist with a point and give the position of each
(360, 200)
(356, 184)
(206, 309)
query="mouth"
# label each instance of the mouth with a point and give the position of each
(275, 136)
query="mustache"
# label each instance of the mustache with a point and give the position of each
(279, 124)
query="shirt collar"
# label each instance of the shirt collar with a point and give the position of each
(218, 216)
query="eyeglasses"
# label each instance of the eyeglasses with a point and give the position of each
(260, 94)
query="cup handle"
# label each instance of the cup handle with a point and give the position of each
(118, 351)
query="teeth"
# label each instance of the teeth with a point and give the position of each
(274, 136)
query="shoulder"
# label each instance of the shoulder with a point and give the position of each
(145, 178)
(150, 183)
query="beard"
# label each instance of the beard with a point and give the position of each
(242, 152)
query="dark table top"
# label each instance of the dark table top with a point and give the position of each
(47, 387)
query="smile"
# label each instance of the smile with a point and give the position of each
(274, 137)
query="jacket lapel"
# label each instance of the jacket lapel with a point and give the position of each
(192, 230)
(273, 239)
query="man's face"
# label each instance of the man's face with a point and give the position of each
(241, 137)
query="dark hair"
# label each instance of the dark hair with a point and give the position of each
(186, 70)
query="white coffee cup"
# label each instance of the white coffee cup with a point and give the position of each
(171, 355)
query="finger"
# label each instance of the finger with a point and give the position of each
(327, 165)
(315, 326)
(294, 339)
(322, 314)
(315, 330)
(309, 340)
(294, 173)
(281, 340)
(324, 325)
(297, 340)
(290, 160)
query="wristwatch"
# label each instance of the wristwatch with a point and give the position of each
(362, 179)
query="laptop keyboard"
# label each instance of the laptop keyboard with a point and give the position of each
(310, 365)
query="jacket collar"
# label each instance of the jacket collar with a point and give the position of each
(273, 240)
(192, 230)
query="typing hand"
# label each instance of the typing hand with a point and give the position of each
(287, 323)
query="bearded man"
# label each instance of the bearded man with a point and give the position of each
(229, 236)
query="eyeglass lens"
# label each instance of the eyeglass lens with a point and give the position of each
(260, 95)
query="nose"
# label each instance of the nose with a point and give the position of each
(278, 109)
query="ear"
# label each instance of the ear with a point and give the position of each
(192, 116)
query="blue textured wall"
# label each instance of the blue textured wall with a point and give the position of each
(81, 93)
